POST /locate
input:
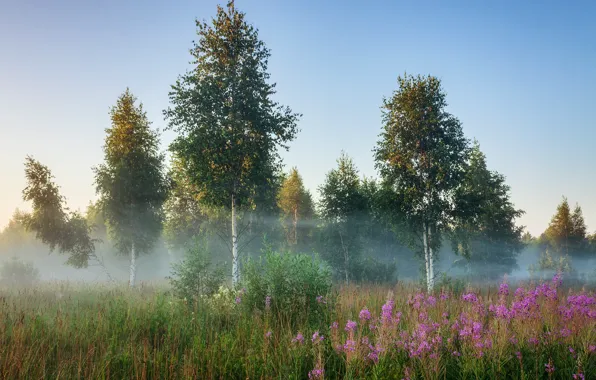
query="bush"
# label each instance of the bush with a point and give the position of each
(298, 286)
(194, 277)
(18, 273)
(372, 270)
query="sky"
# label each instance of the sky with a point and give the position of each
(519, 75)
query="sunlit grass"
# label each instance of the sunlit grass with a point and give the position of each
(72, 330)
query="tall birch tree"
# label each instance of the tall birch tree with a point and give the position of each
(421, 157)
(229, 128)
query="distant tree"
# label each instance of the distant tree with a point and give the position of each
(485, 231)
(342, 208)
(18, 273)
(566, 232)
(229, 127)
(295, 204)
(578, 236)
(51, 220)
(131, 182)
(185, 217)
(15, 236)
(421, 158)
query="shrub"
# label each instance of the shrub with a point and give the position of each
(194, 277)
(298, 286)
(372, 270)
(18, 273)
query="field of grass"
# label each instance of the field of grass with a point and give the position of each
(75, 331)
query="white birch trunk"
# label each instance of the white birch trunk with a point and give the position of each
(235, 272)
(133, 266)
(431, 262)
(426, 256)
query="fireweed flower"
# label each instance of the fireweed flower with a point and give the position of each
(470, 297)
(334, 326)
(579, 376)
(550, 368)
(592, 348)
(316, 373)
(364, 315)
(320, 299)
(350, 346)
(316, 338)
(238, 300)
(298, 339)
(267, 302)
(504, 289)
(268, 334)
(350, 326)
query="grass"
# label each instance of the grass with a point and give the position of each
(75, 331)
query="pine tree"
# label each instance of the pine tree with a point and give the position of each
(295, 204)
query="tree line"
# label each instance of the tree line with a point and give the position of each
(226, 178)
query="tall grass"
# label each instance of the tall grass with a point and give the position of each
(75, 331)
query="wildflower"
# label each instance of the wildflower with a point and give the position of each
(268, 334)
(456, 353)
(504, 289)
(349, 346)
(579, 376)
(298, 339)
(350, 326)
(519, 355)
(550, 368)
(364, 315)
(592, 348)
(334, 326)
(470, 297)
(238, 300)
(316, 373)
(267, 302)
(565, 332)
(316, 338)
(320, 299)
(387, 310)
(374, 356)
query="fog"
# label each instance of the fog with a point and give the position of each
(156, 265)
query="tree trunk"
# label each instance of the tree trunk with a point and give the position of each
(431, 261)
(426, 258)
(295, 226)
(133, 266)
(346, 257)
(235, 272)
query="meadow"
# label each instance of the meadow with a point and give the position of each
(74, 331)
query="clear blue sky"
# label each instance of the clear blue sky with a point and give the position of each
(520, 76)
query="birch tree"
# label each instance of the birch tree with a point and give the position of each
(131, 183)
(421, 156)
(229, 128)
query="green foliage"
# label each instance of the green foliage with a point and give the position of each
(131, 182)
(51, 221)
(185, 217)
(343, 209)
(229, 128)
(194, 276)
(371, 270)
(566, 232)
(550, 263)
(296, 205)
(485, 232)
(293, 281)
(421, 158)
(18, 273)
